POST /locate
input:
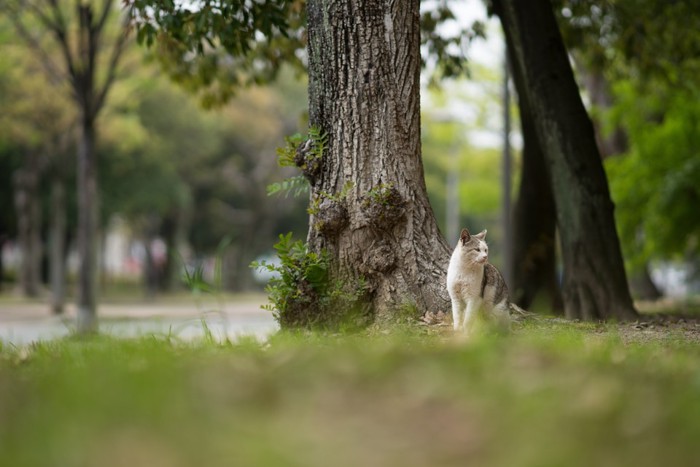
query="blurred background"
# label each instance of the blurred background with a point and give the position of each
(182, 180)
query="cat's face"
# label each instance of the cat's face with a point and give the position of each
(474, 247)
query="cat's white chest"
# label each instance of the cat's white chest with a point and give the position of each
(464, 281)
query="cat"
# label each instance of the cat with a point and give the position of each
(477, 289)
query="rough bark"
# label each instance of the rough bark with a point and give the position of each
(595, 284)
(364, 67)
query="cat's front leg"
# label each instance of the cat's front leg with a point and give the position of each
(457, 313)
(470, 315)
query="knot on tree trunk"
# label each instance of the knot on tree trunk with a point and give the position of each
(331, 217)
(379, 258)
(308, 159)
(383, 207)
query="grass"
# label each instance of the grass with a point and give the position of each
(551, 394)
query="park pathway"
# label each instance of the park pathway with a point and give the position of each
(22, 323)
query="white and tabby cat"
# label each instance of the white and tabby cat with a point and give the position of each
(476, 287)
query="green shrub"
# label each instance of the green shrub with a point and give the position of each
(304, 294)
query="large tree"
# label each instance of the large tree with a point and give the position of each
(86, 59)
(642, 83)
(364, 67)
(595, 284)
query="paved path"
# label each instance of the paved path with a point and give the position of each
(22, 323)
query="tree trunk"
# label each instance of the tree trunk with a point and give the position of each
(87, 229)
(598, 90)
(29, 225)
(534, 220)
(151, 270)
(2, 261)
(370, 209)
(595, 285)
(643, 286)
(57, 238)
(171, 237)
(614, 144)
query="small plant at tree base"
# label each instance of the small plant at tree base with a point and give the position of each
(304, 295)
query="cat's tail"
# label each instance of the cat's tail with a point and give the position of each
(518, 313)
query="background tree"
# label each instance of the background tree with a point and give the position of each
(80, 33)
(534, 221)
(35, 123)
(191, 177)
(595, 284)
(641, 80)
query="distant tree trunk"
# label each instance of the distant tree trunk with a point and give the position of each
(79, 39)
(595, 284)
(28, 209)
(598, 90)
(87, 229)
(174, 230)
(172, 239)
(534, 220)
(151, 274)
(643, 286)
(364, 67)
(614, 144)
(2, 261)
(57, 236)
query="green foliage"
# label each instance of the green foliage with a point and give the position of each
(287, 153)
(381, 194)
(447, 53)
(223, 45)
(218, 46)
(194, 278)
(313, 145)
(646, 39)
(296, 265)
(303, 293)
(655, 185)
(565, 395)
(296, 186)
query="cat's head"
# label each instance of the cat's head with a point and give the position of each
(473, 247)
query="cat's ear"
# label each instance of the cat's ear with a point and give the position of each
(464, 236)
(481, 235)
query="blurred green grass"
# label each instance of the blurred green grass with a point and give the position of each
(548, 395)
